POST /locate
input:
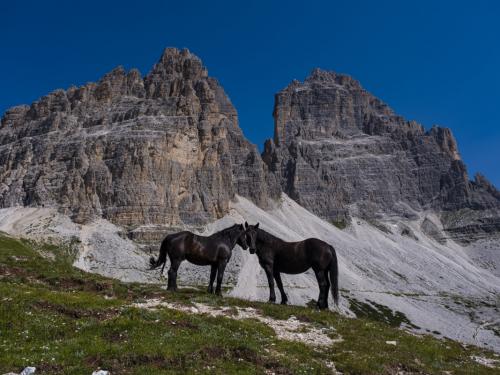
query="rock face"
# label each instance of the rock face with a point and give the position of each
(164, 149)
(340, 151)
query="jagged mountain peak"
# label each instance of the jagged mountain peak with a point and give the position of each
(319, 75)
(338, 150)
(172, 53)
(328, 105)
(482, 181)
(175, 64)
(165, 149)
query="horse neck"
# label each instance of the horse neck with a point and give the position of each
(229, 235)
(266, 239)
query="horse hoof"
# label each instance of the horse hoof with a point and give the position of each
(284, 302)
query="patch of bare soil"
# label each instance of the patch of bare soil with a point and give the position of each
(75, 313)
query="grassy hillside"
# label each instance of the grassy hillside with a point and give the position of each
(64, 321)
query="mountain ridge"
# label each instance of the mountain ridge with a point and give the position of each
(166, 149)
(123, 140)
(338, 150)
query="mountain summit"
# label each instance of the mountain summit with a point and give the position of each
(166, 149)
(339, 151)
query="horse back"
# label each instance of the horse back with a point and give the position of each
(177, 243)
(319, 249)
(293, 257)
(172, 237)
(290, 257)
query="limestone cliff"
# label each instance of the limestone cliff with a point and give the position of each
(164, 149)
(340, 151)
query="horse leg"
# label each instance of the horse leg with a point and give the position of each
(327, 287)
(270, 280)
(320, 276)
(277, 277)
(213, 272)
(172, 274)
(220, 274)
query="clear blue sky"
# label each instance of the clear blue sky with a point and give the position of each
(437, 62)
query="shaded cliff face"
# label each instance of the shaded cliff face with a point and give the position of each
(340, 151)
(163, 149)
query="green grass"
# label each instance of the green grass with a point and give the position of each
(340, 224)
(379, 313)
(65, 321)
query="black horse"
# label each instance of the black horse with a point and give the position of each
(214, 250)
(276, 256)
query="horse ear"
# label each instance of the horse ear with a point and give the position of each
(257, 225)
(246, 225)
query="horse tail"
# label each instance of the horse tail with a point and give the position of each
(334, 276)
(162, 258)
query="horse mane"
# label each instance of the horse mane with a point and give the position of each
(224, 232)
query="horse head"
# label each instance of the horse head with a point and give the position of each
(242, 237)
(251, 236)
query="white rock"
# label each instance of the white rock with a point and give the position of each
(391, 343)
(28, 371)
(101, 372)
(488, 362)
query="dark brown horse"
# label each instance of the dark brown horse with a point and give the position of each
(277, 256)
(214, 251)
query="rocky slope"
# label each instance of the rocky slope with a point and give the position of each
(164, 149)
(414, 281)
(340, 151)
